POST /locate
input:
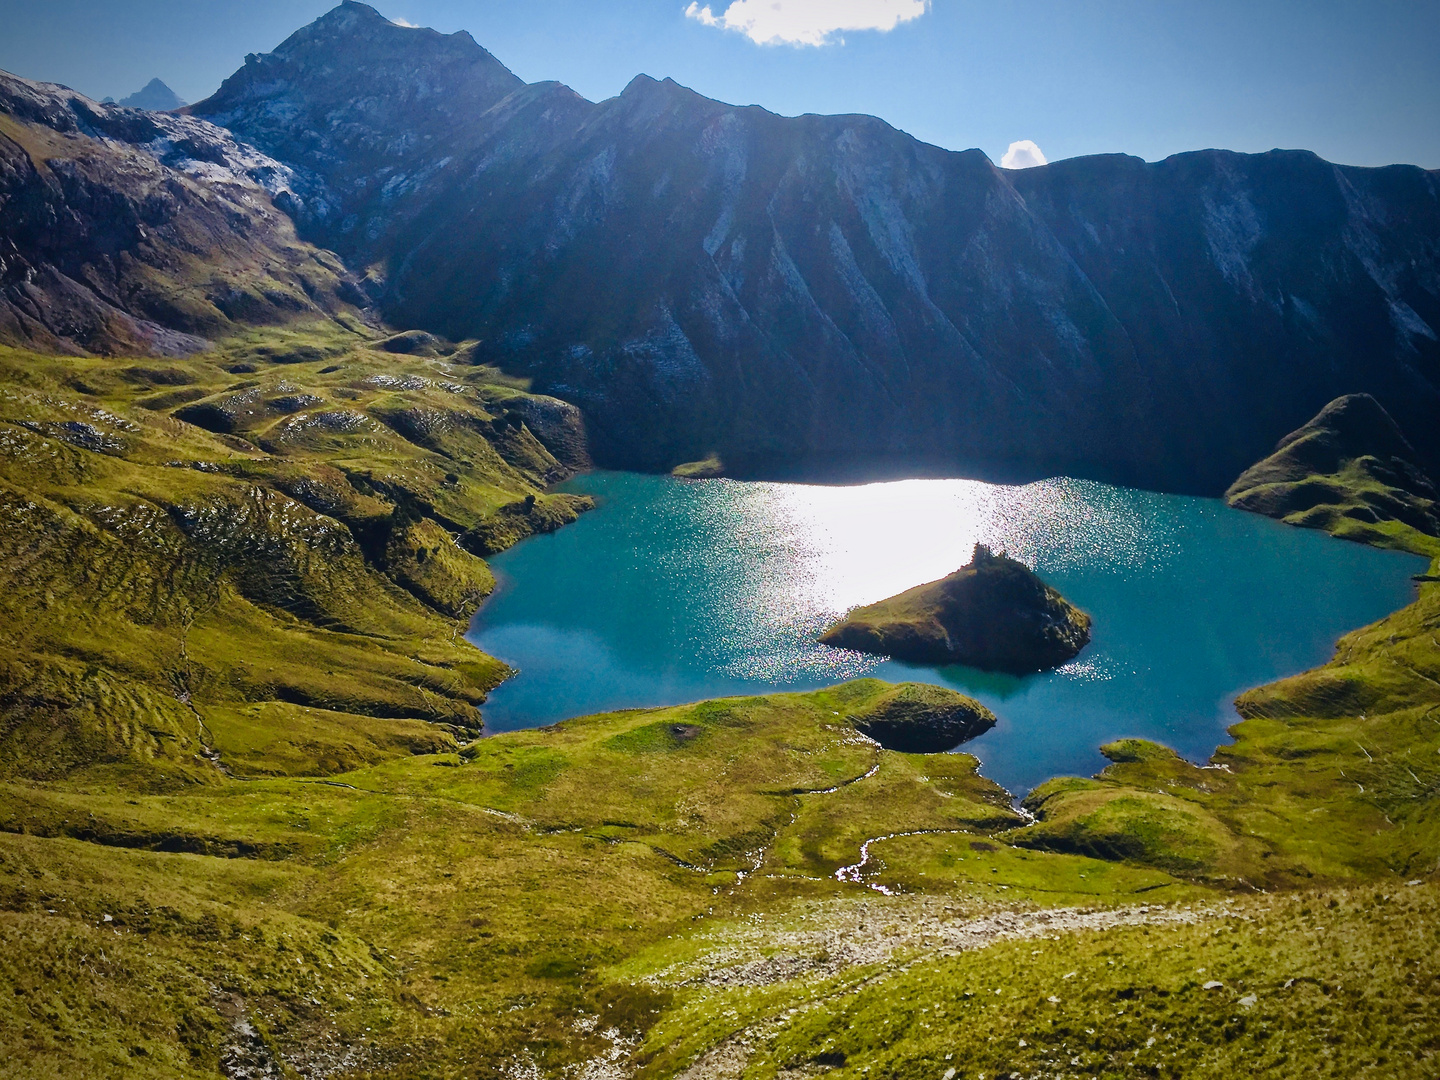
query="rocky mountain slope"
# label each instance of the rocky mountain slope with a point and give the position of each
(131, 232)
(821, 289)
(154, 95)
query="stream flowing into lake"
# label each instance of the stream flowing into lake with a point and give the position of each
(672, 591)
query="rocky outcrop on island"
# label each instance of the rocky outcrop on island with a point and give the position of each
(918, 718)
(154, 96)
(792, 292)
(994, 614)
(1349, 471)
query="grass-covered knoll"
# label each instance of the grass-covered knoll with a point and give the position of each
(994, 613)
(919, 718)
(1349, 471)
(255, 559)
(706, 469)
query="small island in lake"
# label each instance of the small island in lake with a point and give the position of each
(995, 614)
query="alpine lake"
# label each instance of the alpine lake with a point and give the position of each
(678, 590)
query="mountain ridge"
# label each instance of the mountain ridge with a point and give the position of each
(796, 293)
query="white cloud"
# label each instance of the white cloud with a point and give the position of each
(406, 23)
(1022, 155)
(807, 22)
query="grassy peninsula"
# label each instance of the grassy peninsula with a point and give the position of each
(246, 828)
(1349, 471)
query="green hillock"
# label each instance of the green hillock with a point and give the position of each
(706, 469)
(1349, 471)
(994, 613)
(921, 719)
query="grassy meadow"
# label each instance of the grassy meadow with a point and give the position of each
(249, 825)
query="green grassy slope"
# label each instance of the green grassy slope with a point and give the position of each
(666, 887)
(1349, 471)
(281, 593)
(245, 830)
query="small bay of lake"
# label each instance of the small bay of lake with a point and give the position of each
(673, 591)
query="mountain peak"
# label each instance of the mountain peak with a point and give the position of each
(354, 61)
(156, 96)
(348, 16)
(353, 87)
(353, 23)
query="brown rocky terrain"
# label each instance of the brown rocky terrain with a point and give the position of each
(141, 233)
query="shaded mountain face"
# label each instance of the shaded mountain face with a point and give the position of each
(155, 96)
(124, 231)
(806, 292)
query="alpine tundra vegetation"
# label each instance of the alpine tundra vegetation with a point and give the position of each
(251, 823)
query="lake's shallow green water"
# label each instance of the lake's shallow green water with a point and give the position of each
(673, 591)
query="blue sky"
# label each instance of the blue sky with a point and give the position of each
(1357, 82)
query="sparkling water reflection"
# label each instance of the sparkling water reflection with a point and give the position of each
(673, 591)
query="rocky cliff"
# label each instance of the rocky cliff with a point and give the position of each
(133, 232)
(787, 292)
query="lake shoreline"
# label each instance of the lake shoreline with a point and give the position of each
(588, 660)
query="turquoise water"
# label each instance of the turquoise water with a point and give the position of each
(673, 591)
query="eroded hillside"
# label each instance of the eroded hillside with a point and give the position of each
(134, 233)
(259, 558)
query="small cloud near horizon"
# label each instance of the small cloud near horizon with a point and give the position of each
(406, 23)
(807, 22)
(1023, 155)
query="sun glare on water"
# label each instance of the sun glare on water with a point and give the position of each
(674, 591)
(804, 555)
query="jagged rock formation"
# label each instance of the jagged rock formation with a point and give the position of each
(994, 614)
(133, 232)
(1345, 471)
(155, 96)
(790, 291)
